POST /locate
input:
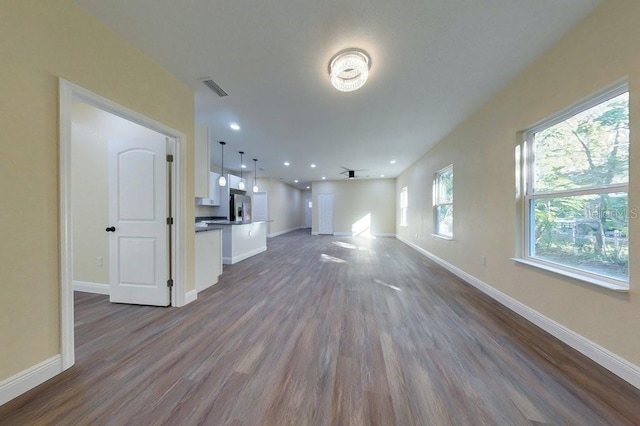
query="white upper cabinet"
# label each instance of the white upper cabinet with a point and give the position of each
(202, 158)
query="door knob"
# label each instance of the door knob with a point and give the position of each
(111, 229)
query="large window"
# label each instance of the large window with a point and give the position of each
(443, 202)
(404, 206)
(575, 181)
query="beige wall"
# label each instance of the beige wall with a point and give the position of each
(355, 199)
(42, 41)
(90, 134)
(284, 203)
(598, 52)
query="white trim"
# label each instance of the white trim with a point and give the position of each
(88, 287)
(286, 231)
(243, 256)
(384, 235)
(28, 379)
(191, 296)
(443, 237)
(583, 276)
(67, 92)
(314, 233)
(67, 346)
(607, 359)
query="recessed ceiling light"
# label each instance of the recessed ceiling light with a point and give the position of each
(393, 161)
(308, 187)
(244, 166)
(234, 126)
(286, 163)
(313, 166)
(381, 175)
(296, 181)
(324, 177)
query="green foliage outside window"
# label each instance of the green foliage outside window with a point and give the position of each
(578, 221)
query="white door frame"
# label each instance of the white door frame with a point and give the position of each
(69, 92)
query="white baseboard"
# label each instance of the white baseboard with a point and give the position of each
(190, 296)
(232, 260)
(89, 287)
(28, 379)
(607, 359)
(375, 234)
(286, 231)
(384, 235)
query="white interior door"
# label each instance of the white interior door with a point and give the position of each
(307, 212)
(138, 210)
(325, 214)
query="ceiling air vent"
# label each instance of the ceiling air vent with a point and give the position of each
(214, 87)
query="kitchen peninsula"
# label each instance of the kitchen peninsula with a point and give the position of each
(240, 240)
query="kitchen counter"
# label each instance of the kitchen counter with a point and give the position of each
(240, 240)
(208, 227)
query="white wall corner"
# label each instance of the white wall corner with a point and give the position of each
(28, 379)
(607, 359)
(89, 287)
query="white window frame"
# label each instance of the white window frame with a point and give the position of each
(437, 202)
(404, 206)
(525, 171)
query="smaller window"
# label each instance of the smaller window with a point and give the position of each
(404, 206)
(443, 202)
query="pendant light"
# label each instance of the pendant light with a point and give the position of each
(222, 181)
(255, 175)
(241, 184)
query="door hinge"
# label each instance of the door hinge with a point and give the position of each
(169, 221)
(170, 283)
(169, 158)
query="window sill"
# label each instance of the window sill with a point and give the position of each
(442, 237)
(577, 276)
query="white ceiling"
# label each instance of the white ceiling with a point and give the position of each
(433, 63)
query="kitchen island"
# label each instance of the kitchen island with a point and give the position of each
(241, 240)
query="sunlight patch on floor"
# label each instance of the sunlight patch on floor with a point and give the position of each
(327, 258)
(387, 285)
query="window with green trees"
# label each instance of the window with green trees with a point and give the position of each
(443, 202)
(576, 185)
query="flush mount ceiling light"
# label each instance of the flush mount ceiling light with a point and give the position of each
(234, 126)
(349, 69)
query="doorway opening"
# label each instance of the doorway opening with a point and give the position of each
(95, 134)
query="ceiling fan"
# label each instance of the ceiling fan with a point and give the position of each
(350, 173)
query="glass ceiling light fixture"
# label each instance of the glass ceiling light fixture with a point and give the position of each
(241, 184)
(349, 69)
(255, 175)
(222, 181)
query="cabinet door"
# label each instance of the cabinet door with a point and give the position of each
(202, 159)
(214, 188)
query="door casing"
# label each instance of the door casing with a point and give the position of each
(68, 92)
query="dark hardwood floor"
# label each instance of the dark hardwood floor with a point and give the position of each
(319, 331)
